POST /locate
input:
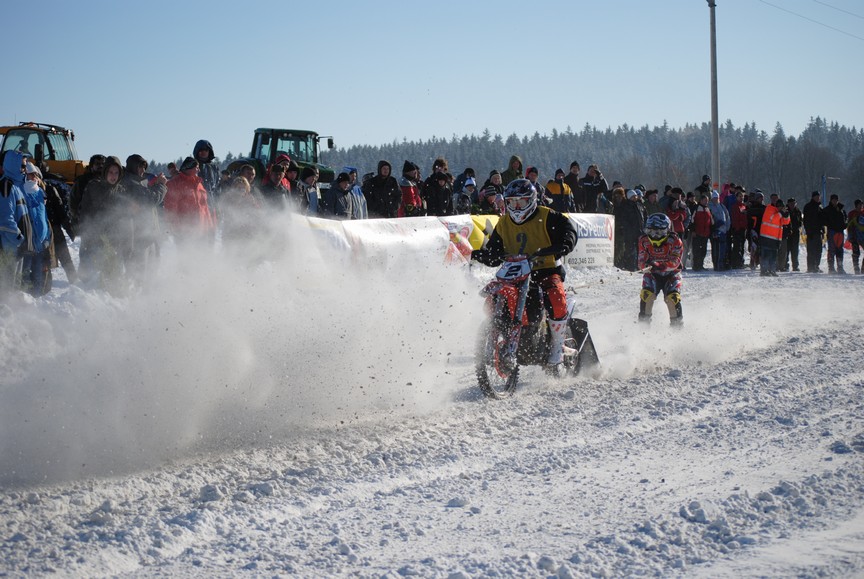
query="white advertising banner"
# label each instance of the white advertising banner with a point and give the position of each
(394, 243)
(596, 245)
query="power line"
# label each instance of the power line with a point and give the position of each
(839, 9)
(811, 20)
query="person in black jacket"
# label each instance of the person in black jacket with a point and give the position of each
(573, 181)
(814, 225)
(94, 170)
(382, 192)
(439, 195)
(146, 192)
(629, 221)
(791, 237)
(835, 222)
(595, 187)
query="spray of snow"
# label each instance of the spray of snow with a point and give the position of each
(217, 354)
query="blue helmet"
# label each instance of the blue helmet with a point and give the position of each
(657, 227)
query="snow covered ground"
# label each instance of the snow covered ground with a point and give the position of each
(305, 417)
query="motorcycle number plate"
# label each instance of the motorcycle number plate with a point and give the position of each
(514, 270)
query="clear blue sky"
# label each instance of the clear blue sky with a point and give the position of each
(154, 77)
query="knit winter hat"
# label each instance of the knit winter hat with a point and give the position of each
(188, 163)
(532, 170)
(343, 178)
(31, 168)
(559, 172)
(308, 172)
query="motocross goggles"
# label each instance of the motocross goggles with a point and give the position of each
(657, 234)
(518, 203)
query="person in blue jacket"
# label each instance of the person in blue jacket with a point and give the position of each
(36, 267)
(14, 221)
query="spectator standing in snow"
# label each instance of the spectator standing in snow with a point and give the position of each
(490, 198)
(57, 210)
(309, 190)
(814, 225)
(855, 228)
(791, 238)
(678, 214)
(461, 178)
(411, 173)
(146, 195)
(737, 228)
(629, 222)
(36, 269)
(513, 171)
(559, 194)
(572, 180)
(186, 205)
(770, 234)
(439, 195)
(835, 223)
(382, 192)
(703, 188)
(595, 187)
(358, 201)
(94, 170)
(533, 174)
(652, 203)
(338, 200)
(754, 225)
(15, 227)
(105, 227)
(703, 222)
(207, 171)
(273, 191)
(462, 200)
(719, 231)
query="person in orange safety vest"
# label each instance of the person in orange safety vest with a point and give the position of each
(770, 235)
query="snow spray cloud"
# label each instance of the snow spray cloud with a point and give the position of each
(217, 354)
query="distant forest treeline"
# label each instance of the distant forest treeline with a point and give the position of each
(788, 165)
(776, 163)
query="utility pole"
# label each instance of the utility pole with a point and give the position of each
(715, 126)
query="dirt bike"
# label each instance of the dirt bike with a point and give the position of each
(507, 339)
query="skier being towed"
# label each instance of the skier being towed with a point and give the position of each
(546, 235)
(660, 253)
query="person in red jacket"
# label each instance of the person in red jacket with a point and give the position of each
(186, 209)
(770, 234)
(737, 229)
(659, 257)
(677, 212)
(702, 225)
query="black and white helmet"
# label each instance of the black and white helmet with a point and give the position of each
(520, 199)
(657, 227)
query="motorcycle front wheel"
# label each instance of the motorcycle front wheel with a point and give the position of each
(496, 377)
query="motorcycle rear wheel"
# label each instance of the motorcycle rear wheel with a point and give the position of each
(495, 378)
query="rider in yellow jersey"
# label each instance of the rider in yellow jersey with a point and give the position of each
(529, 229)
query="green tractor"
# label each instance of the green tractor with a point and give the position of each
(301, 146)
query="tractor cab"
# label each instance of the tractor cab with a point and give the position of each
(45, 143)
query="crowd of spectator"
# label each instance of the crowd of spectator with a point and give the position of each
(122, 213)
